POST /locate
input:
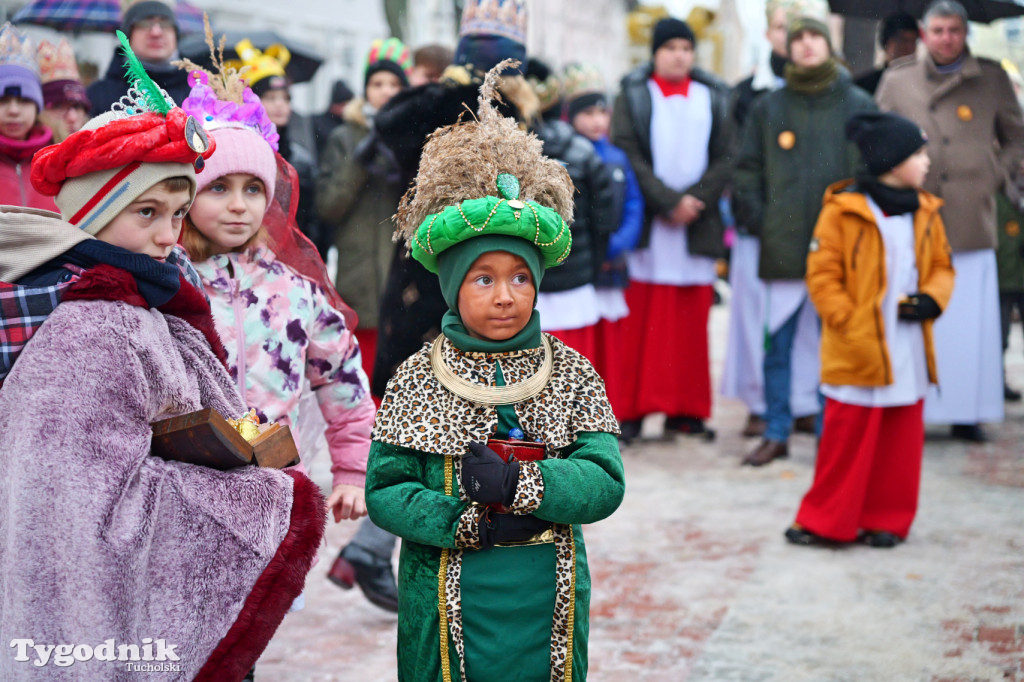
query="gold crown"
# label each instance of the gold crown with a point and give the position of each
(506, 18)
(259, 64)
(57, 62)
(16, 49)
(580, 79)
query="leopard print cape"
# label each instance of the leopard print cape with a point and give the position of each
(419, 413)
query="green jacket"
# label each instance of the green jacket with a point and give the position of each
(1010, 251)
(356, 200)
(794, 147)
(405, 494)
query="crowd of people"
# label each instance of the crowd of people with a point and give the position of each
(549, 287)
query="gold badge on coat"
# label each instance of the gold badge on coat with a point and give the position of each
(964, 113)
(1012, 228)
(787, 139)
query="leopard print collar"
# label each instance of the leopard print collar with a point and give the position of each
(419, 413)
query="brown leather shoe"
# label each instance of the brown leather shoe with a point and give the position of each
(808, 424)
(766, 452)
(754, 427)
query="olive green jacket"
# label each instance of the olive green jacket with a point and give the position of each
(356, 199)
(794, 147)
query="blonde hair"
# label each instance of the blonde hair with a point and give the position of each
(200, 247)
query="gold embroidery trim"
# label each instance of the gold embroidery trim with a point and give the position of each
(442, 611)
(491, 395)
(572, 608)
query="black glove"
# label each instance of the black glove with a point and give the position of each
(919, 307)
(487, 478)
(497, 528)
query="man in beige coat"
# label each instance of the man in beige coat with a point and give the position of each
(967, 107)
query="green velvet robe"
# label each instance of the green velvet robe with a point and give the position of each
(415, 495)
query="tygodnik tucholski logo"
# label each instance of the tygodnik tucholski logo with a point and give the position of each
(149, 656)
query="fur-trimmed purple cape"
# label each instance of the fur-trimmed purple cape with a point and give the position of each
(100, 540)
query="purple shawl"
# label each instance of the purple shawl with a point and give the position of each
(101, 541)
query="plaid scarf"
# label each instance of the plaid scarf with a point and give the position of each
(23, 309)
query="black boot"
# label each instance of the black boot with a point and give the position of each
(971, 433)
(355, 566)
(629, 431)
(691, 426)
(1011, 395)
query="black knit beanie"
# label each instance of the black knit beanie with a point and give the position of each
(895, 24)
(667, 29)
(144, 10)
(385, 65)
(885, 140)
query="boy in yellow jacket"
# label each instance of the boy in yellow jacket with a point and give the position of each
(879, 273)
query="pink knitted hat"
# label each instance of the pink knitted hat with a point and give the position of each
(246, 138)
(240, 150)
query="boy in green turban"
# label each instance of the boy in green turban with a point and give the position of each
(495, 442)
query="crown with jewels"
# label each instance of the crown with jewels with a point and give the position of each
(506, 18)
(17, 49)
(57, 62)
(580, 79)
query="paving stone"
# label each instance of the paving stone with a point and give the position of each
(692, 579)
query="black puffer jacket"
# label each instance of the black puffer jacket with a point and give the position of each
(411, 305)
(594, 216)
(113, 86)
(631, 131)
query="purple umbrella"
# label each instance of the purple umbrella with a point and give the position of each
(95, 15)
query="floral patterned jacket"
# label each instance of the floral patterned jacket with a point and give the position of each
(279, 328)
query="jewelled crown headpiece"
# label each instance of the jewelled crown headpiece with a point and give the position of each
(505, 18)
(144, 126)
(57, 62)
(17, 49)
(483, 177)
(221, 98)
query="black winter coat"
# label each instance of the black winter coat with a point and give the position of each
(412, 306)
(594, 216)
(631, 131)
(113, 87)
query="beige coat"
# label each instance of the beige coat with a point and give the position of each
(975, 137)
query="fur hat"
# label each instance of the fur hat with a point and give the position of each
(98, 171)
(19, 72)
(486, 177)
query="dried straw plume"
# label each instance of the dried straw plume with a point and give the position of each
(462, 161)
(227, 81)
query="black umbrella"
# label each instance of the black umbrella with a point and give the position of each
(985, 11)
(300, 68)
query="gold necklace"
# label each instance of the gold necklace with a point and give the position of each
(491, 395)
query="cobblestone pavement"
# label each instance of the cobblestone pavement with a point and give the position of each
(692, 579)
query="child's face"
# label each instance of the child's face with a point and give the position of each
(278, 104)
(230, 210)
(593, 123)
(913, 170)
(150, 225)
(496, 296)
(17, 116)
(381, 87)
